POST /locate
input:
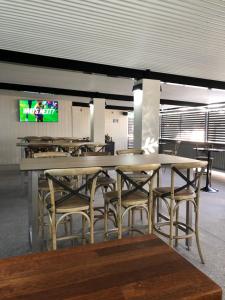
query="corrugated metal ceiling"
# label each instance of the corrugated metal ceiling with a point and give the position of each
(172, 36)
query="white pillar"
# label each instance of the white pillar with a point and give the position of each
(146, 115)
(97, 118)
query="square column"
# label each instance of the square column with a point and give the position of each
(146, 115)
(97, 119)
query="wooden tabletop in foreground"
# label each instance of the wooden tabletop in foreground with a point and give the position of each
(29, 164)
(132, 268)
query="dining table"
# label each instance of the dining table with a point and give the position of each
(136, 268)
(34, 166)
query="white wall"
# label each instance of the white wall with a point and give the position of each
(117, 130)
(81, 121)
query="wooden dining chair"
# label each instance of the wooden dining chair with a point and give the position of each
(72, 202)
(173, 196)
(124, 201)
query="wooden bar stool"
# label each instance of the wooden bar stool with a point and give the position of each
(124, 201)
(105, 183)
(72, 202)
(137, 176)
(174, 196)
(44, 192)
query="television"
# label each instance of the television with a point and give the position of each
(38, 110)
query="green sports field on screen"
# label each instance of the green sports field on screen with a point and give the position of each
(38, 111)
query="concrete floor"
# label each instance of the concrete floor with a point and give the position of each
(14, 224)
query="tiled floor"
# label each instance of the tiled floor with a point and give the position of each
(14, 224)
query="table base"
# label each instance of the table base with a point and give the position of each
(209, 189)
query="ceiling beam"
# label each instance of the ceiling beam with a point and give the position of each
(181, 103)
(65, 92)
(85, 94)
(115, 71)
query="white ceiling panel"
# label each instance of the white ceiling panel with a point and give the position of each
(172, 36)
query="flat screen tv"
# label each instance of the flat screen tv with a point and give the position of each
(38, 110)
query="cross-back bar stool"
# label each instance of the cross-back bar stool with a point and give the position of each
(105, 183)
(73, 201)
(138, 196)
(43, 189)
(173, 196)
(136, 176)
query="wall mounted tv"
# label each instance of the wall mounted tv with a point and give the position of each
(38, 110)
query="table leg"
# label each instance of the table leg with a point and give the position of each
(208, 188)
(34, 239)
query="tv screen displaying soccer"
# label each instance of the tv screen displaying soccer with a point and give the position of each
(38, 111)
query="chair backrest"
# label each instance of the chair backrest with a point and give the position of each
(123, 176)
(50, 154)
(130, 151)
(57, 176)
(191, 174)
(96, 153)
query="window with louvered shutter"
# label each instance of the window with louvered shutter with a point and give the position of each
(170, 126)
(193, 126)
(216, 126)
(185, 126)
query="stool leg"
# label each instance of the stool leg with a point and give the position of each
(83, 229)
(153, 211)
(129, 219)
(65, 226)
(149, 215)
(106, 208)
(119, 217)
(177, 219)
(53, 232)
(171, 224)
(197, 236)
(133, 217)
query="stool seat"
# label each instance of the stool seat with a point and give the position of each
(72, 204)
(138, 177)
(179, 196)
(134, 198)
